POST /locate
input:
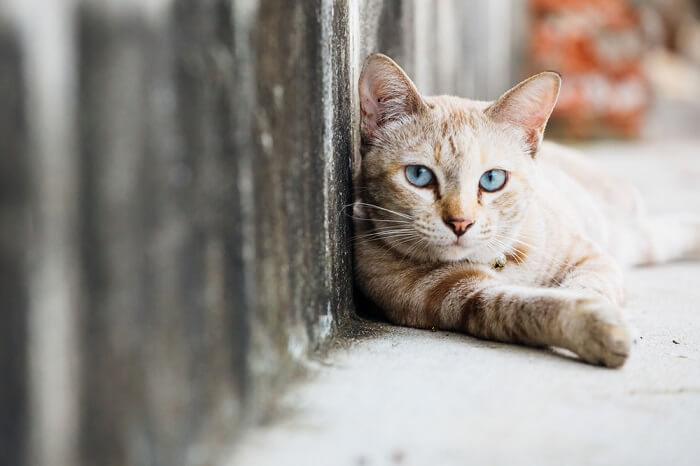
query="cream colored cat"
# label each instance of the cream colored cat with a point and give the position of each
(466, 221)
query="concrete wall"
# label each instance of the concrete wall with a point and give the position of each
(172, 176)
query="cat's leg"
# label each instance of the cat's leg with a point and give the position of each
(476, 301)
(667, 238)
(593, 273)
(597, 275)
(590, 326)
(656, 239)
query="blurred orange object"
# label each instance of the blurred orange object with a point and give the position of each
(597, 46)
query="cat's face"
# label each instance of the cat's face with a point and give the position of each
(444, 178)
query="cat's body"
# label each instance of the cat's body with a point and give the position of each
(425, 250)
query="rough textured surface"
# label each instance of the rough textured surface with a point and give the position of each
(14, 227)
(410, 397)
(210, 246)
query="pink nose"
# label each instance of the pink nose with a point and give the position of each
(459, 225)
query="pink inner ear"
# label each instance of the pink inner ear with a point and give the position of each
(386, 94)
(368, 100)
(536, 111)
(529, 104)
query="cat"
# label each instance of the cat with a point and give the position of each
(467, 221)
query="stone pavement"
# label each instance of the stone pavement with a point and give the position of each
(401, 396)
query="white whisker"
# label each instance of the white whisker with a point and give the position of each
(381, 208)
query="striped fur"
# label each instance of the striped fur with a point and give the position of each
(565, 226)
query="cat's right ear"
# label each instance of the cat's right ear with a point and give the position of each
(386, 94)
(528, 106)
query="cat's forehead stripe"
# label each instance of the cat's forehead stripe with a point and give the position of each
(456, 130)
(445, 128)
(453, 146)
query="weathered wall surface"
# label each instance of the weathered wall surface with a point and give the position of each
(173, 175)
(13, 231)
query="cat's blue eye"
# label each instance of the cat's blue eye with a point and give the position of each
(493, 180)
(418, 175)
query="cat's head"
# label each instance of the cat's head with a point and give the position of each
(445, 178)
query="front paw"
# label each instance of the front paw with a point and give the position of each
(596, 331)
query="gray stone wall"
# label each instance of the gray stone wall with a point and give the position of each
(13, 267)
(173, 245)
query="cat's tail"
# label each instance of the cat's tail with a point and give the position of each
(668, 238)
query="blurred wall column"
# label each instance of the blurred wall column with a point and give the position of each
(14, 231)
(46, 236)
(472, 49)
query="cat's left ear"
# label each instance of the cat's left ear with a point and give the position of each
(528, 106)
(386, 94)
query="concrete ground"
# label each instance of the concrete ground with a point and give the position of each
(411, 397)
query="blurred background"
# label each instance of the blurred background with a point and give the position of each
(173, 175)
(631, 68)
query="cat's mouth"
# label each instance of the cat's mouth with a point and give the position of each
(462, 247)
(457, 246)
(463, 242)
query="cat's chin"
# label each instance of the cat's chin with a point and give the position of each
(458, 253)
(475, 254)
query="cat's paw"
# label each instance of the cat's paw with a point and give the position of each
(598, 334)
